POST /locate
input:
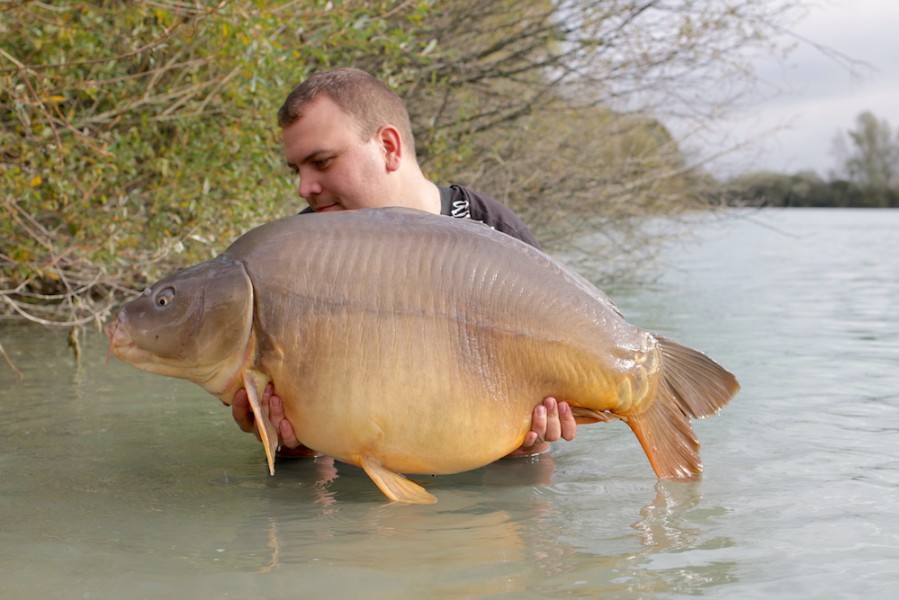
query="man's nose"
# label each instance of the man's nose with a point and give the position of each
(308, 187)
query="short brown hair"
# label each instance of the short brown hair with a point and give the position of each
(358, 93)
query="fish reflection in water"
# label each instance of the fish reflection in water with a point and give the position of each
(473, 531)
(662, 526)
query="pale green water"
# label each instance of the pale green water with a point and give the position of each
(120, 484)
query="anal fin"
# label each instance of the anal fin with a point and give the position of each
(395, 486)
(263, 425)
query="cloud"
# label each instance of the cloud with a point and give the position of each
(817, 95)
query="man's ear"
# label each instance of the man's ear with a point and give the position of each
(391, 146)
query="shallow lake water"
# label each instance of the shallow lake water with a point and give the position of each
(120, 484)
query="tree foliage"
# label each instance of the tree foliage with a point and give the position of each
(805, 189)
(140, 136)
(870, 159)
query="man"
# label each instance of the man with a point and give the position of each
(349, 139)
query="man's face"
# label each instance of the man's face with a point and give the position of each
(337, 169)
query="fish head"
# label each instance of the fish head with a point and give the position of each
(195, 324)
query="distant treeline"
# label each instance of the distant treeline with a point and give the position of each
(867, 174)
(805, 189)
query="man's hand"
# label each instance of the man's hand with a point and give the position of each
(550, 422)
(288, 445)
(243, 414)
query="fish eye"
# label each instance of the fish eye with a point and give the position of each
(165, 297)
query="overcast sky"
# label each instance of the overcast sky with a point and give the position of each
(822, 97)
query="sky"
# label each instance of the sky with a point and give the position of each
(820, 96)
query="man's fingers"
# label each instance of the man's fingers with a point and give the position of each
(288, 436)
(285, 430)
(275, 410)
(567, 422)
(538, 426)
(242, 413)
(553, 426)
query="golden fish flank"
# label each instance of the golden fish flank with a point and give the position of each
(387, 332)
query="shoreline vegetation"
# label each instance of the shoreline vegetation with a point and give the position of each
(138, 138)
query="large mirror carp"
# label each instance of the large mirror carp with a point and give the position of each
(404, 342)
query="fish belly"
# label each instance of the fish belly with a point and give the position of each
(426, 395)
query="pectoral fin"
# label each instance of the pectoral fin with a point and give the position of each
(395, 486)
(263, 425)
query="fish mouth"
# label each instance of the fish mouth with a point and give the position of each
(119, 339)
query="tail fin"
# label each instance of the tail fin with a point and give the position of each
(692, 386)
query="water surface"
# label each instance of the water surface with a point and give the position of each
(121, 484)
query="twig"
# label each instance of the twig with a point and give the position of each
(10, 363)
(15, 306)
